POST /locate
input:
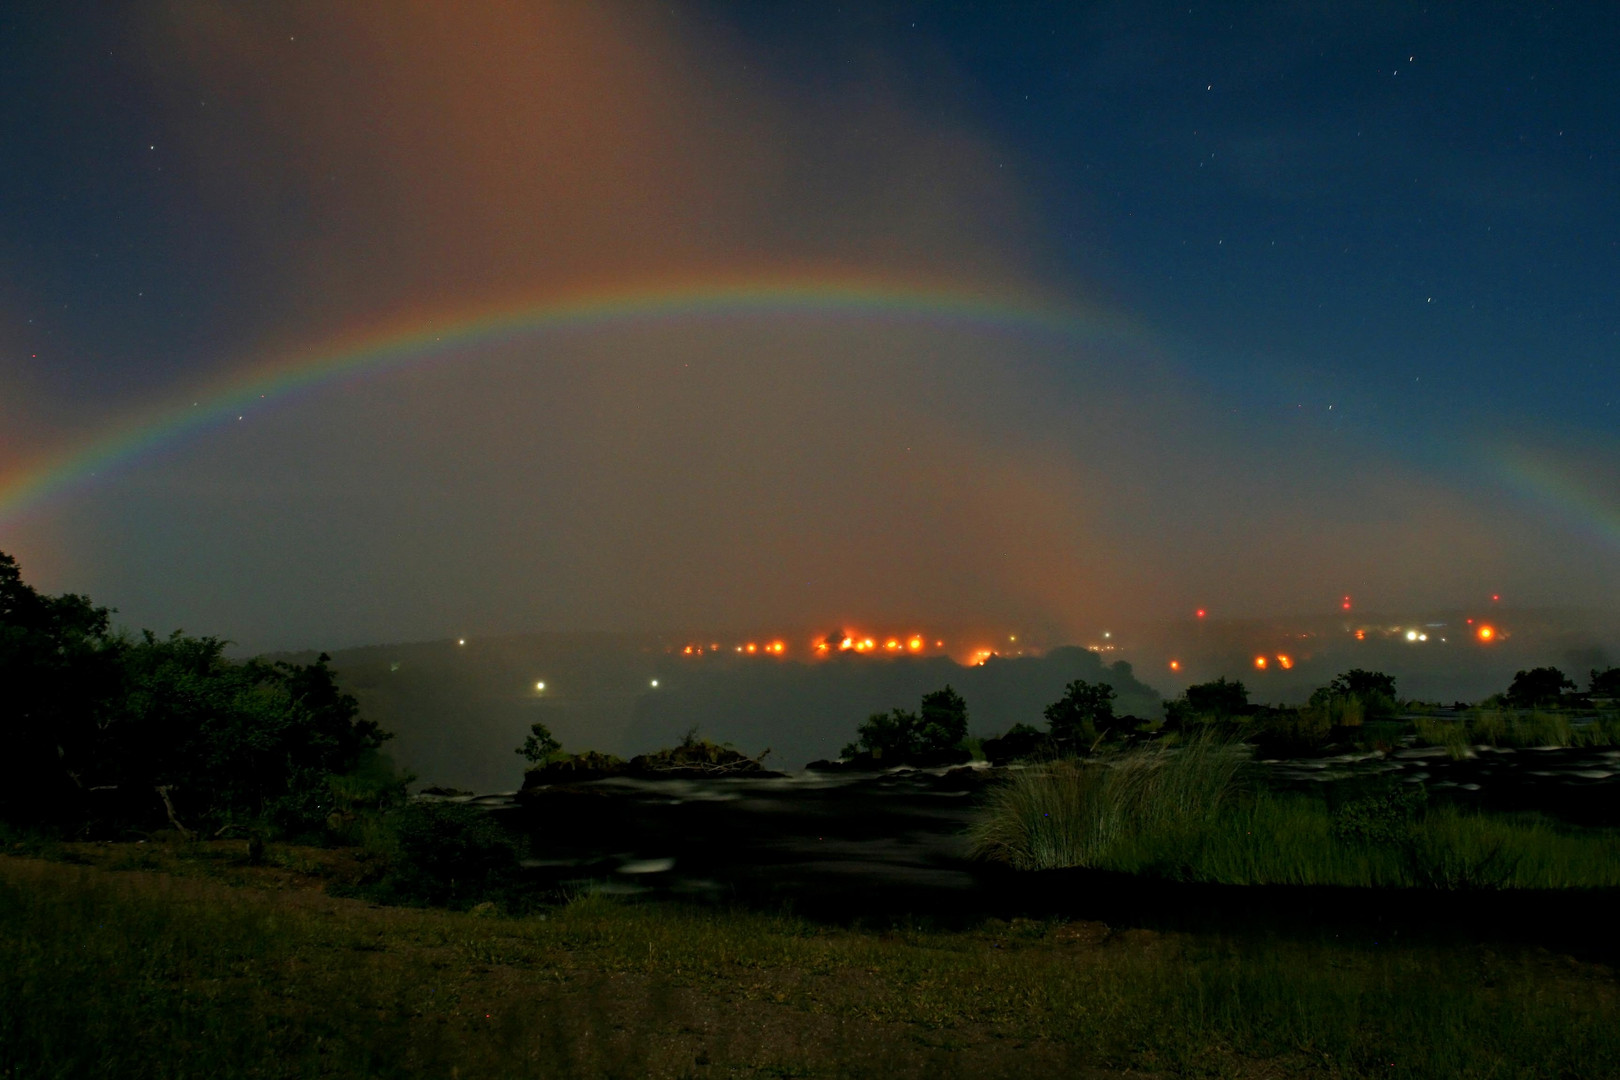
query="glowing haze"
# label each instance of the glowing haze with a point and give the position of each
(499, 317)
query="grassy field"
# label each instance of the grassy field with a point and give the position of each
(179, 960)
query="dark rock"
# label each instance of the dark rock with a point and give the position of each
(576, 769)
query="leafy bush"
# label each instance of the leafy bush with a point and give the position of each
(1385, 818)
(448, 855)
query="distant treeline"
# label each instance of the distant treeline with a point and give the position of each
(108, 732)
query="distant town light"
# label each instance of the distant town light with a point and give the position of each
(461, 641)
(539, 686)
(1175, 665)
(655, 683)
(1260, 663)
(1486, 633)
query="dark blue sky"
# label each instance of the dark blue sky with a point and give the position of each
(1410, 214)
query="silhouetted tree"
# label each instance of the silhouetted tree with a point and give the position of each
(897, 734)
(1082, 715)
(1218, 700)
(1605, 683)
(171, 719)
(60, 670)
(540, 744)
(1538, 686)
(942, 721)
(1366, 693)
(891, 735)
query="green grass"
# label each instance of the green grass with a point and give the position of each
(1182, 814)
(145, 975)
(1517, 728)
(1075, 813)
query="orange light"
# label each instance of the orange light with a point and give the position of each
(714, 647)
(821, 646)
(939, 644)
(776, 647)
(1361, 635)
(687, 650)
(846, 644)
(1260, 662)
(891, 644)
(1286, 661)
(1486, 633)
(1175, 665)
(752, 647)
(914, 644)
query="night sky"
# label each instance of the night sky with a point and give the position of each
(1286, 302)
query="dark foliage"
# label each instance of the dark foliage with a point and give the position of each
(1383, 818)
(942, 720)
(1364, 695)
(540, 746)
(1083, 715)
(933, 735)
(1538, 686)
(161, 730)
(1021, 742)
(1605, 683)
(1204, 702)
(449, 854)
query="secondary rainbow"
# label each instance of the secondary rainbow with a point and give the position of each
(420, 337)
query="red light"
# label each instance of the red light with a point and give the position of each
(1200, 613)
(1495, 597)
(1346, 604)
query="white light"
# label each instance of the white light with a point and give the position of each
(1423, 637)
(539, 686)
(1411, 635)
(1106, 634)
(655, 682)
(462, 641)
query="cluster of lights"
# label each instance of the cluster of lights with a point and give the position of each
(751, 648)
(1284, 661)
(861, 644)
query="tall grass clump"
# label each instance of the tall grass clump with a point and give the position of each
(1081, 813)
(1451, 734)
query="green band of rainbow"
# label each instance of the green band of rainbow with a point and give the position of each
(421, 337)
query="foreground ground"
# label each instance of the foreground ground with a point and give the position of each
(177, 960)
